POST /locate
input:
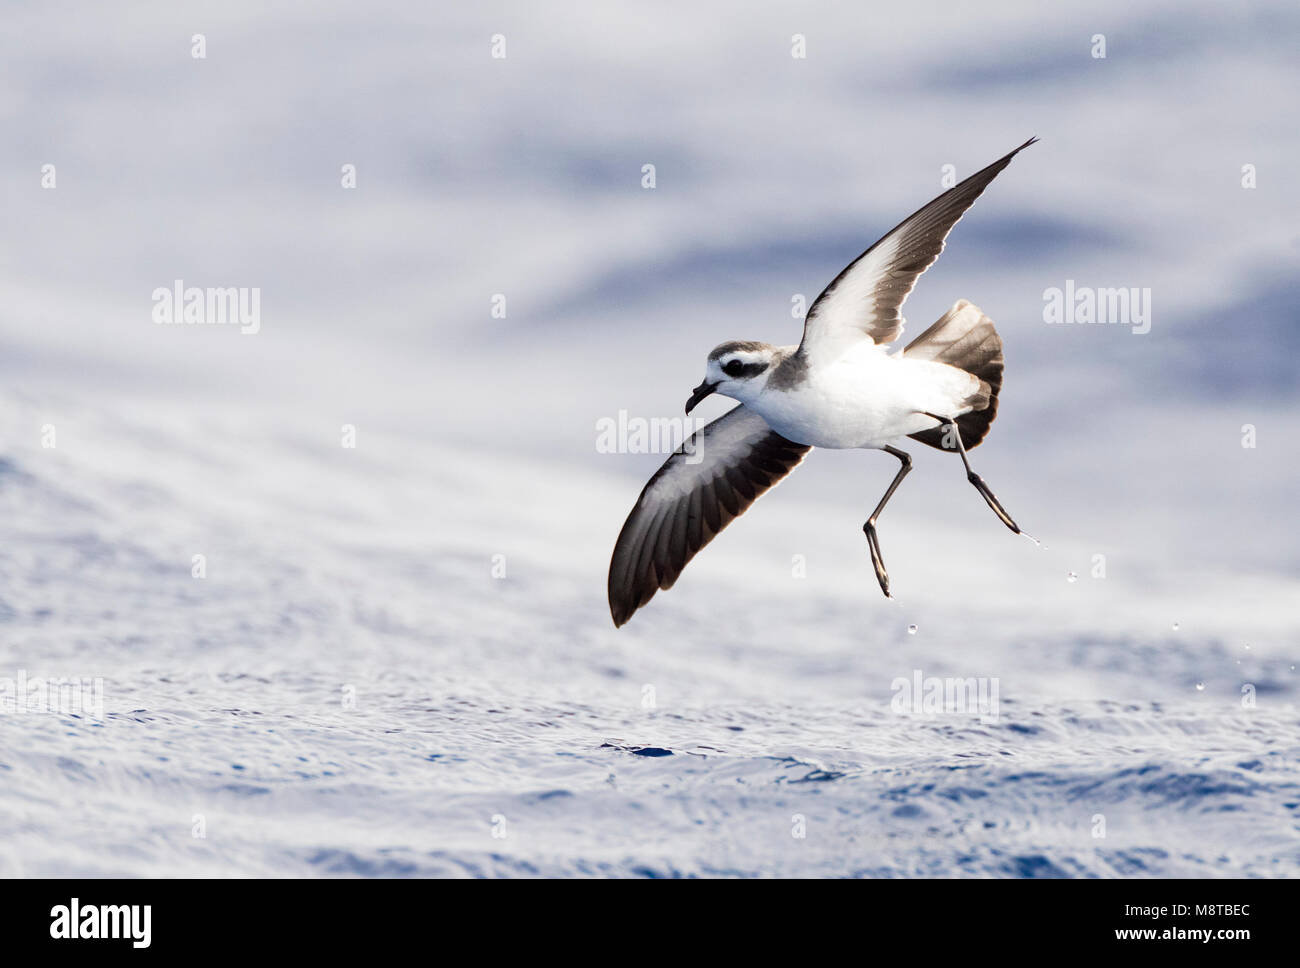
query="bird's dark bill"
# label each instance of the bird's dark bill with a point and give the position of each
(699, 393)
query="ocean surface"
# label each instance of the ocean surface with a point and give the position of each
(359, 686)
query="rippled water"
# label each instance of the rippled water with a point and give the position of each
(350, 691)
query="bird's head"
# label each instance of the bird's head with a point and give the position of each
(738, 369)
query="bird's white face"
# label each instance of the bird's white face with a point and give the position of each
(737, 370)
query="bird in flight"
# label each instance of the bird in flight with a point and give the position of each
(839, 388)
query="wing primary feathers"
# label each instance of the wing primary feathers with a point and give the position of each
(686, 504)
(866, 298)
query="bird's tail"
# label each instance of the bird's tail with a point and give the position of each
(965, 338)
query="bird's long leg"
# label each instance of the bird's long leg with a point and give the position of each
(989, 497)
(869, 529)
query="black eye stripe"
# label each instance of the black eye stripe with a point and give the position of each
(736, 368)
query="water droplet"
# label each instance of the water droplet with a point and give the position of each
(1200, 687)
(911, 630)
(1071, 577)
(1247, 646)
(1175, 626)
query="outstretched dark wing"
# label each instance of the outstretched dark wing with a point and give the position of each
(864, 301)
(706, 484)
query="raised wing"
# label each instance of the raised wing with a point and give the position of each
(864, 300)
(707, 483)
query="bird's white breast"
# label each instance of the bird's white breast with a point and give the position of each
(865, 398)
